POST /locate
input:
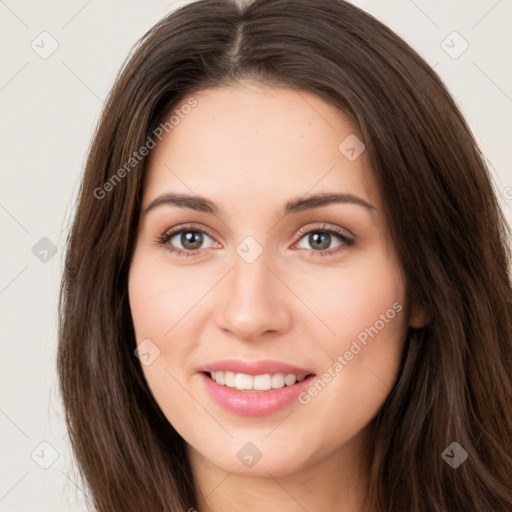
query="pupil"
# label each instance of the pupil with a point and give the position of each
(191, 240)
(321, 241)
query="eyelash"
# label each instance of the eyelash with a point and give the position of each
(345, 240)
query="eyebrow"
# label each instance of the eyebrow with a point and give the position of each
(202, 204)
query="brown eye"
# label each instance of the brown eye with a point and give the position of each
(186, 241)
(191, 240)
(318, 240)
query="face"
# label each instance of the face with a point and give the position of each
(295, 306)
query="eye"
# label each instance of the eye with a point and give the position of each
(185, 241)
(188, 240)
(321, 237)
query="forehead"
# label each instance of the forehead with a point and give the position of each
(252, 145)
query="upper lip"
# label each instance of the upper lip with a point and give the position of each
(254, 367)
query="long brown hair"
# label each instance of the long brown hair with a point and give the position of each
(454, 383)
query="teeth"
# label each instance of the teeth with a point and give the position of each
(229, 379)
(278, 380)
(243, 381)
(257, 382)
(262, 382)
(290, 379)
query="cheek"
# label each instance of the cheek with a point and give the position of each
(167, 309)
(160, 302)
(352, 299)
(365, 307)
(160, 299)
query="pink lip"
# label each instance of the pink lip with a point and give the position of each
(254, 367)
(254, 403)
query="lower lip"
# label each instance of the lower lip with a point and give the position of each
(254, 403)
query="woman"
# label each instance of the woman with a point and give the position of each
(287, 282)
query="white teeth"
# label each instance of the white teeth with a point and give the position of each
(290, 379)
(257, 382)
(229, 379)
(243, 381)
(278, 380)
(262, 382)
(219, 377)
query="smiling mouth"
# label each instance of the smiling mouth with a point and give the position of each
(263, 382)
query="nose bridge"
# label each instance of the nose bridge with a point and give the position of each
(250, 279)
(253, 303)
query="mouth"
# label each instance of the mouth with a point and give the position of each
(256, 394)
(260, 383)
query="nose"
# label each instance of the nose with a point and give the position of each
(254, 301)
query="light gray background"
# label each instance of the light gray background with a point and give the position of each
(49, 108)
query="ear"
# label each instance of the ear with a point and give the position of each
(418, 317)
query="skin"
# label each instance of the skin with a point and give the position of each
(250, 149)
